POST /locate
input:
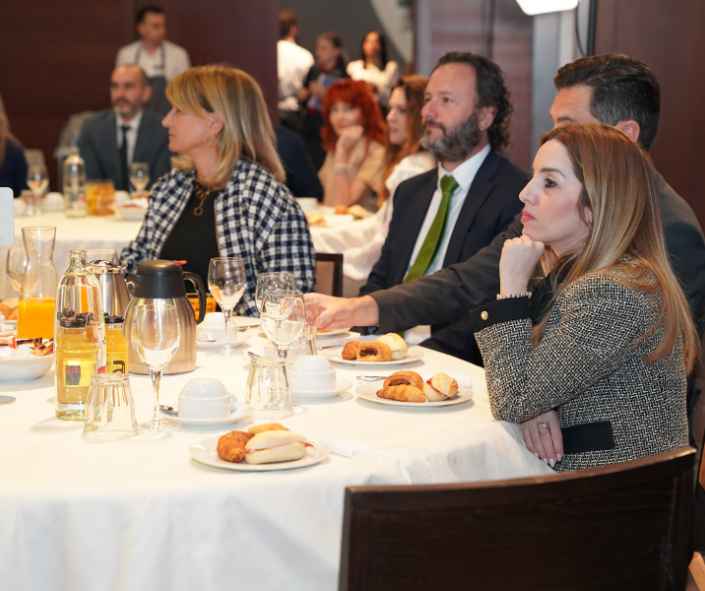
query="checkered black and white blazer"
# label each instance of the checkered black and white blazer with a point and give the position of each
(256, 218)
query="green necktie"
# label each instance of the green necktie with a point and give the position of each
(435, 232)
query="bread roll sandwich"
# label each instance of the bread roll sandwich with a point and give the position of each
(254, 429)
(440, 387)
(396, 344)
(275, 446)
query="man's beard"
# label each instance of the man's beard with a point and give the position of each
(456, 144)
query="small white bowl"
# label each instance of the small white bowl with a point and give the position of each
(22, 366)
(130, 213)
(205, 398)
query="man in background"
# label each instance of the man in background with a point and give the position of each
(293, 63)
(111, 140)
(160, 59)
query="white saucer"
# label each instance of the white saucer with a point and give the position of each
(341, 385)
(232, 418)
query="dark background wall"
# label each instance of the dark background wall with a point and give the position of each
(57, 58)
(670, 37)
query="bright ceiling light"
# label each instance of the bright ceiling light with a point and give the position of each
(532, 7)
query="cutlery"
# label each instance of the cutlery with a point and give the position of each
(7, 399)
(371, 378)
(169, 410)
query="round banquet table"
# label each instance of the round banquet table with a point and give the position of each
(340, 234)
(139, 514)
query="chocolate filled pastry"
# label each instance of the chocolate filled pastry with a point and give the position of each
(441, 387)
(374, 351)
(404, 378)
(402, 393)
(231, 446)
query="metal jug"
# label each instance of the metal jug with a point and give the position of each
(160, 279)
(114, 292)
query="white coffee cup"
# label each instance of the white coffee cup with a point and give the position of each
(205, 398)
(312, 375)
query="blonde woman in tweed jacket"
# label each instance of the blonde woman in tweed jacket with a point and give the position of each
(610, 346)
(226, 196)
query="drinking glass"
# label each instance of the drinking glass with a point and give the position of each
(139, 175)
(38, 182)
(226, 281)
(155, 333)
(110, 410)
(15, 266)
(273, 280)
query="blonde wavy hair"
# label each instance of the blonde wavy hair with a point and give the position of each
(247, 129)
(626, 235)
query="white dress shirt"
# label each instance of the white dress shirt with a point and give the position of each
(293, 63)
(382, 80)
(168, 61)
(134, 125)
(464, 175)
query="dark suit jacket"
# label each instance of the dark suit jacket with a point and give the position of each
(446, 296)
(301, 177)
(491, 203)
(98, 145)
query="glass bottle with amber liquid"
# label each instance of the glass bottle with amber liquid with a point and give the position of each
(116, 344)
(80, 338)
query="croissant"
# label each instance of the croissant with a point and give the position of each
(401, 378)
(404, 393)
(231, 446)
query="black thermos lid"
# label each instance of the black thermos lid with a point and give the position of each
(159, 279)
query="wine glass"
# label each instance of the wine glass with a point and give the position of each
(15, 266)
(283, 318)
(38, 182)
(270, 281)
(139, 176)
(226, 281)
(155, 332)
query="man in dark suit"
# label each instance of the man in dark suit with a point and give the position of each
(111, 140)
(466, 116)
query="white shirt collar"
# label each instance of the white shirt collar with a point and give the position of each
(133, 123)
(465, 173)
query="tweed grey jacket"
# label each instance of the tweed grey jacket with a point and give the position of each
(591, 364)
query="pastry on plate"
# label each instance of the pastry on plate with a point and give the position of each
(370, 351)
(403, 393)
(231, 446)
(404, 378)
(441, 387)
(396, 344)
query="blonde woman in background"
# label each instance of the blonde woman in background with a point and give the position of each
(226, 196)
(602, 346)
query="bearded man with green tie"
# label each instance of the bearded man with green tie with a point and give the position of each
(446, 215)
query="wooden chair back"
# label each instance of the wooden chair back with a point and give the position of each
(620, 527)
(329, 273)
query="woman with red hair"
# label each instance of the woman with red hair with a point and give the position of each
(354, 139)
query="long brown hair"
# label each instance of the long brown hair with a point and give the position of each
(4, 135)
(235, 95)
(626, 235)
(414, 88)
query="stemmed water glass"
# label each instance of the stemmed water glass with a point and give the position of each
(155, 332)
(270, 281)
(226, 281)
(15, 266)
(139, 176)
(283, 319)
(38, 182)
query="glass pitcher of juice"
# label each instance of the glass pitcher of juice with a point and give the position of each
(36, 308)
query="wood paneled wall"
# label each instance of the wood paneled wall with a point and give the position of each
(57, 58)
(670, 38)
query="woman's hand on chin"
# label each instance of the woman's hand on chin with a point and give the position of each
(349, 137)
(516, 264)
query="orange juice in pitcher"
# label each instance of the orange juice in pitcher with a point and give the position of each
(35, 319)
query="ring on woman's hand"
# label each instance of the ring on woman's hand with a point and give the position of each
(543, 426)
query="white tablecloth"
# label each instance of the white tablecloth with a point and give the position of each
(137, 515)
(352, 238)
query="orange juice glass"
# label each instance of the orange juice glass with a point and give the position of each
(36, 318)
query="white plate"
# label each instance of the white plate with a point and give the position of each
(340, 387)
(414, 355)
(215, 321)
(22, 366)
(206, 452)
(334, 333)
(462, 398)
(233, 418)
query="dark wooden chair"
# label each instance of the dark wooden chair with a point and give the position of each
(329, 273)
(620, 527)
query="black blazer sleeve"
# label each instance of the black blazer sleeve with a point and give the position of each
(88, 149)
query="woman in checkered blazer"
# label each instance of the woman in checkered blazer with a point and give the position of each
(225, 196)
(606, 337)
